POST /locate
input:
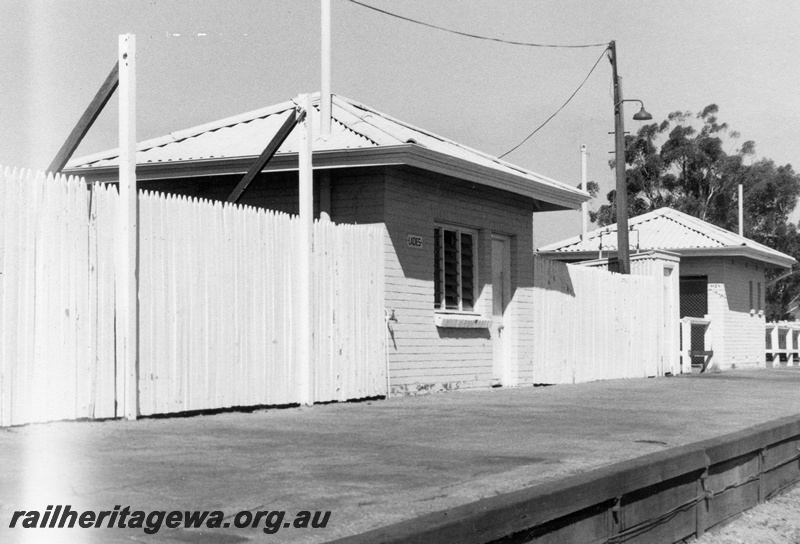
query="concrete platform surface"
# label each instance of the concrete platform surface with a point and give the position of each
(369, 464)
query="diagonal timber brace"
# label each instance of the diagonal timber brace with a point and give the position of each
(267, 154)
(85, 122)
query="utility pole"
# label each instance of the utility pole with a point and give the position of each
(623, 252)
(585, 205)
(325, 106)
(741, 210)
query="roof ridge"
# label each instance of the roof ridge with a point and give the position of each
(709, 231)
(230, 121)
(694, 228)
(692, 223)
(179, 135)
(725, 234)
(346, 105)
(483, 154)
(719, 230)
(337, 117)
(363, 124)
(688, 221)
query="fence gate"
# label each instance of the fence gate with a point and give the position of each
(694, 303)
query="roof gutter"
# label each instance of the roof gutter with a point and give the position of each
(406, 154)
(727, 251)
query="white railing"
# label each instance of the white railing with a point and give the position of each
(783, 342)
(688, 324)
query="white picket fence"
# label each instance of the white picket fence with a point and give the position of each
(590, 324)
(56, 299)
(217, 305)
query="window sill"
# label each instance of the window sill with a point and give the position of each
(462, 321)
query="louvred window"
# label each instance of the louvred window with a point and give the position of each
(454, 269)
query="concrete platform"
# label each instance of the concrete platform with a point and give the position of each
(370, 464)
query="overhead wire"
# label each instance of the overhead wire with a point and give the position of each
(476, 36)
(509, 42)
(528, 137)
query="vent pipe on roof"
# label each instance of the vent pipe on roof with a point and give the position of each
(741, 210)
(585, 205)
(325, 94)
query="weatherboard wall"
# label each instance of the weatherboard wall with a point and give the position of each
(277, 191)
(743, 323)
(357, 195)
(422, 356)
(736, 332)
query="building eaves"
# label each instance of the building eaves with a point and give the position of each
(227, 144)
(670, 230)
(404, 132)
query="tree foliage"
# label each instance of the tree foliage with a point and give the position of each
(691, 162)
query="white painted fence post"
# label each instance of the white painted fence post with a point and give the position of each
(776, 346)
(128, 224)
(767, 341)
(686, 345)
(304, 336)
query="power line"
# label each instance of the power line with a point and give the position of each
(510, 42)
(558, 110)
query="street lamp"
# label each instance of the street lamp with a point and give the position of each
(642, 114)
(623, 250)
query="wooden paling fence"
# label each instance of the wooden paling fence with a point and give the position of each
(591, 324)
(347, 306)
(217, 305)
(57, 337)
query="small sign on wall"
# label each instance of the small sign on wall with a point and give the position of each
(415, 241)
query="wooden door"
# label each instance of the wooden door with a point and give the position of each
(501, 295)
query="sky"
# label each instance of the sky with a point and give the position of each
(202, 60)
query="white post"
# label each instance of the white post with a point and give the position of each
(585, 205)
(741, 210)
(768, 348)
(776, 346)
(686, 345)
(708, 344)
(325, 94)
(128, 224)
(304, 336)
(325, 106)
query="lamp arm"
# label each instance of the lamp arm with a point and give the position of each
(630, 100)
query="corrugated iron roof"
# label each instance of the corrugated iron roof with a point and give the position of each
(672, 230)
(354, 126)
